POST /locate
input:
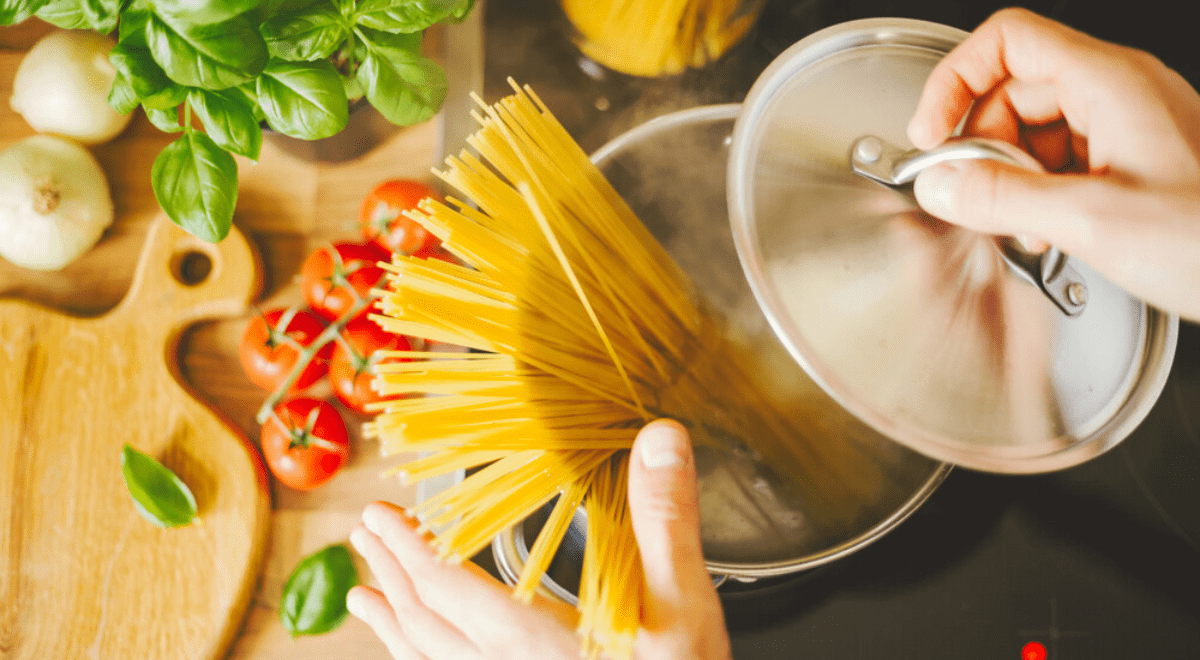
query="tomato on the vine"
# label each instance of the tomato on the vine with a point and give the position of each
(305, 443)
(334, 277)
(350, 371)
(271, 346)
(384, 223)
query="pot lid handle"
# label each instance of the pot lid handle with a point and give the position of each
(1048, 269)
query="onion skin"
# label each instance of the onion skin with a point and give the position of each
(62, 86)
(54, 202)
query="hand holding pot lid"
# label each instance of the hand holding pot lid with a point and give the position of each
(1118, 117)
(947, 339)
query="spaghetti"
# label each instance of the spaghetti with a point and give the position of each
(588, 330)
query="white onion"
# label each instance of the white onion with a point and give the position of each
(62, 84)
(54, 202)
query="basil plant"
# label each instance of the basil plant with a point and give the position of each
(237, 65)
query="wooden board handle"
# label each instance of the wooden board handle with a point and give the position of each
(190, 279)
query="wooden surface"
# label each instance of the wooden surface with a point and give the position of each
(286, 207)
(81, 573)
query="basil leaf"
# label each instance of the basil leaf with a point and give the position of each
(65, 14)
(463, 11)
(405, 15)
(15, 11)
(132, 31)
(167, 98)
(202, 12)
(312, 34)
(405, 87)
(410, 42)
(268, 8)
(102, 15)
(305, 100)
(228, 120)
(314, 598)
(249, 91)
(212, 56)
(167, 121)
(98, 15)
(158, 494)
(139, 69)
(195, 182)
(121, 95)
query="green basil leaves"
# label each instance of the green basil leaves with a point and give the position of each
(121, 95)
(158, 494)
(202, 12)
(212, 56)
(314, 598)
(404, 86)
(167, 98)
(195, 182)
(229, 120)
(406, 15)
(98, 15)
(15, 11)
(166, 121)
(303, 99)
(294, 65)
(139, 68)
(303, 36)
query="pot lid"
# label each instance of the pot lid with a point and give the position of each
(963, 346)
(760, 518)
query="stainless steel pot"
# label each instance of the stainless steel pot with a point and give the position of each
(671, 171)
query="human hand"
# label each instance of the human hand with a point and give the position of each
(430, 610)
(1118, 131)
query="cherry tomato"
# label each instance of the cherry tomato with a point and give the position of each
(383, 222)
(330, 288)
(305, 443)
(350, 372)
(268, 351)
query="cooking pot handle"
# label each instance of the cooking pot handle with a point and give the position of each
(1049, 269)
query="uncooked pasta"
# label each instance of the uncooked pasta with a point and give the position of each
(657, 38)
(583, 329)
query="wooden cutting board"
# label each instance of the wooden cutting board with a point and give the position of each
(82, 575)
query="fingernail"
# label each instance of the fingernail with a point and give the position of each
(356, 538)
(916, 132)
(662, 446)
(371, 518)
(354, 604)
(936, 188)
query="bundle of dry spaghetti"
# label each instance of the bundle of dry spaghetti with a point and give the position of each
(656, 38)
(589, 330)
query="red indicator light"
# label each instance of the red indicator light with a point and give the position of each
(1033, 651)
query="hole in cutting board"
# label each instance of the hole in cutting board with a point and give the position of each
(191, 267)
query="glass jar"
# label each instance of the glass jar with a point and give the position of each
(653, 38)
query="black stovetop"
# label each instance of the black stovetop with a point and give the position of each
(1100, 561)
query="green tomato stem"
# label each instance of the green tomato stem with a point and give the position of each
(306, 433)
(306, 357)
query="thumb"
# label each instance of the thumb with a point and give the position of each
(665, 510)
(996, 198)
